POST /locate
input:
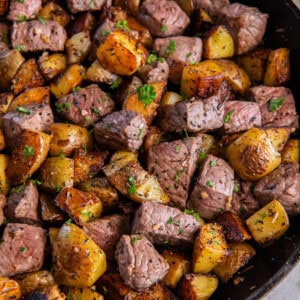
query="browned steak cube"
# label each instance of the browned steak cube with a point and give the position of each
(163, 224)
(107, 231)
(163, 18)
(246, 24)
(30, 117)
(174, 164)
(2, 204)
(85, 106)
(23, 10)
(277, 106)
(35, 36)
(140, 265)
(179, 51)
(211, 6)
(241, 115)
(87, 5)
(22, 249)
(194, 115)
(283, 184)
(121, 130)
(213, 190)
(154, 72)
(23, 204)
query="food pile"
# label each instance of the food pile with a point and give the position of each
(147, 147)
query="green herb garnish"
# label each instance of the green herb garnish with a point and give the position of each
(192, 212)
(42, 20)
(172, 221)
(171, 47)
(115, 84)
(24, 110)
(178, 174)
(22, 249)
(228, 116)
(146, 94)
(210, 183)
(275, 104)
(134, 239)
(212, 163)
(22, 18)
(122, 24)
(132, 186)
(163, 28)
(28, 151)
(151, 58)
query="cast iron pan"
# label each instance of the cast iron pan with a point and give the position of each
(272, 263)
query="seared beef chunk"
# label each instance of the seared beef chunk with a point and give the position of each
(283, 184)
(194, 115)
(163, 18)
(179, 51)
(156, 71)
(107, 231)
(31, 117)
(35, 36)
(163, 224)
(121, 130)
(277, 106)
(174, 164)
(213, 190)
(22, 204)
(246, 24)
(212, 7)
(2, 204)
(241, 115)
(140, 265)
(87, 5)
(244, 203)
(22, 249)
(86, 106)
(23, 10)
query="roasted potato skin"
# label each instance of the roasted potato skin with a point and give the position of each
(80, 268)
(83, 293)
(49, 212)
(4, 179)
(9, 289)
(291, 152)
(48, 292)
(22, 165)
(253, 155)
(5, 101)
(52, 11)
(269, 223)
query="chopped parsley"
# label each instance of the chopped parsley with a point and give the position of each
(132, 185)
(35, 181)
(76, 89)
(24, 110)
(235, 188)
(22, 18)
(189, 54)
(146, 94)
(104, 32)
(228, 116)
(42, 20)
(181, 231)
(275, 104)
(172, 221)
(151, 58)
(212, 163)
(28, 151)
(192, 212)
(178, 148)
(86, 214)
(122, 24)
(115, 84)
(134, 239)
(96, 110)
(178, 174)
(58, 189)
(22, 249)
(62, 106)
(19, 47)
(4, 37)
(69, 221)
(61, 154)
(171, 47)
(210, 183)
(141, 131)
(21, 1)
(202, 155)
(163, 28)
(186, 133)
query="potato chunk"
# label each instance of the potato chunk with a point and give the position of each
(77, 260)
(269, 223)
(4, 181)
(9, 289)
(291, 152)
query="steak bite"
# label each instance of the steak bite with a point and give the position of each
(24, 10)
(283, 184)
(163, 18)
(2, 204)
(277, 106)
(213, 190)
(210, 6)
(76, 6)
(174, 164)
(246, 24)
(195, 115)
(35, 36)
(22, 204)
(179, 51)
(107, 231)
(31, 117)
(86, 106)
(163, 224)
(22, 249)
(121, 130)
(154, 72)
(140, 265)
(241, 115)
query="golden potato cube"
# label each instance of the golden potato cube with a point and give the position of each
(291, 152)
(179, 266)
(53, 233)
(48, 292)
(5, 101)
(4, 181)
(77, 260)
(65, 83)
(278, 136)
(218, 43)
(204, 77)
(240, 254)
(83, 293)
(54, 12)
(170, 98)
(36, 95)
(52, 65)
(252, 155)
(82, 207)
(210, 248)
(197, 286)
(278, 67)
(67, 137)
(269, 223)
(56, 173)
(30, 152)
(121, 54)
(9, 289)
